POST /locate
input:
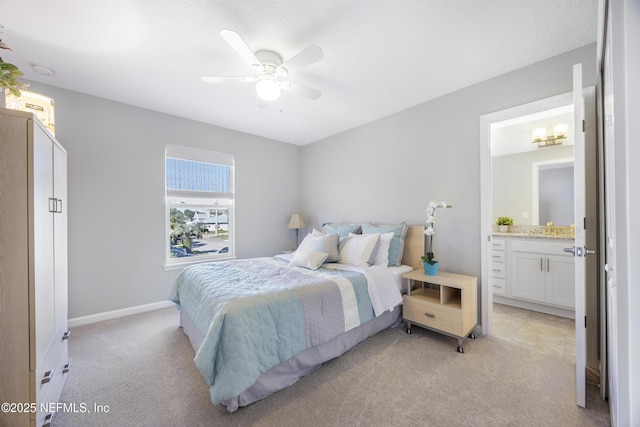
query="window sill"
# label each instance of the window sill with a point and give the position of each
(181, 265)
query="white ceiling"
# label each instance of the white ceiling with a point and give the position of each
(380, 56)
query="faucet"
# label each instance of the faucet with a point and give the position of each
(549, 228)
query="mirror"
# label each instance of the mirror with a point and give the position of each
(532, 183)
(554, 192)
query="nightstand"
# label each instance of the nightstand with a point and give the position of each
(446, 303)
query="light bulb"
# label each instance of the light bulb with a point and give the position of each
(268, 88)
(560, 131)
(538, 134)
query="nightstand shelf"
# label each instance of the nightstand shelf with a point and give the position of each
(447, 303)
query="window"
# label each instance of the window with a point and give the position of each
(199, 203)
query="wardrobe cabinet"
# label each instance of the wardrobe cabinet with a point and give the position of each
(33, 270)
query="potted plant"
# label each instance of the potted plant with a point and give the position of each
(503, 223)
(428, 260)
(9, 74)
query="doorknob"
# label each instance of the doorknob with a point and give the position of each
(580, 251)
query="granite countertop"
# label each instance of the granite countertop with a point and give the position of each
(537, 236)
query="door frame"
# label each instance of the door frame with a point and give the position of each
(588, 93)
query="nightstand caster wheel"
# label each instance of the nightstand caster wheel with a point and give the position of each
(472, 336)
(460, 349)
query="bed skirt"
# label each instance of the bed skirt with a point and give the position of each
(290, 371)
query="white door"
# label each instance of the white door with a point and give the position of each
(580, 236)
(610, 296)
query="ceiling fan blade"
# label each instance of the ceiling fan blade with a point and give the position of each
(305, 91)
(240, 46)
(303, 58)
(233, 79)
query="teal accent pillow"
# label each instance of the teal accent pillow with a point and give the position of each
(341, 230)
(396, 247)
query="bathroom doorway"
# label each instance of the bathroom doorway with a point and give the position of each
(520, 205)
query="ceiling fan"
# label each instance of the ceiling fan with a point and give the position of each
(271, 72)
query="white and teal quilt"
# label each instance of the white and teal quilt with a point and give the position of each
(257, 313)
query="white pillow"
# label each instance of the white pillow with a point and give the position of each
(381, 254)
(320, 242)
(311, 260)
(357, 249)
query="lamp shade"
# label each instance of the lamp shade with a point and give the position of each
(296, 221)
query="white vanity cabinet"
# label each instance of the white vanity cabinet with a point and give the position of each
(542, 272)
(498, 267)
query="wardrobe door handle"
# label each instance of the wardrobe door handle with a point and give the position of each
(58, 209)
(53, 204)
(48, 376)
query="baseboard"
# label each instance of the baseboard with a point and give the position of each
(108, 315)
(542, 308)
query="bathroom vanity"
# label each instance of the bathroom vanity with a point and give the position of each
(532, 271)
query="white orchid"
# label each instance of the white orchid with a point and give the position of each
(429, 231)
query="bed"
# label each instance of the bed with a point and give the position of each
(259, 325)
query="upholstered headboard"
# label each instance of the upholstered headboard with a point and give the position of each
(413, 246)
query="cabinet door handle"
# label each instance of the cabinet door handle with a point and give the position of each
(541, 268)
(48, 376)
(430, 315)
(547, 265)
(66, 335)
(58, 209)
(53, 204)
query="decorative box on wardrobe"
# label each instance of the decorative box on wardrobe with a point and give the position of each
(33, 270)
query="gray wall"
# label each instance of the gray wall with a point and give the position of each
(116, 196)
(388, 170)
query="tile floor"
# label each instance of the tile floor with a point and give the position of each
(544, 332)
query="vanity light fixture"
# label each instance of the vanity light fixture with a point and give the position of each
(541, 137)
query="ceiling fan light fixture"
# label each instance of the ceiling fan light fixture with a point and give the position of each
(268, 88)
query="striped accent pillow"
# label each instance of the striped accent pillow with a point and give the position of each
(357, 249)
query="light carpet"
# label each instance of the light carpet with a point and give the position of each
(139, 371)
